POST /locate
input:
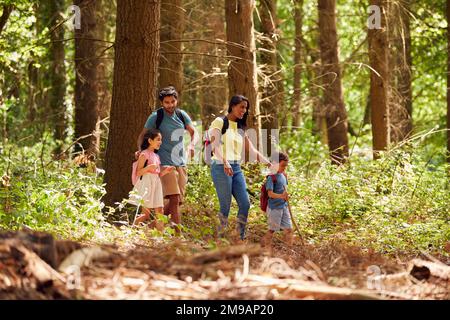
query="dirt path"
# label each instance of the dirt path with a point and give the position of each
(185, 270)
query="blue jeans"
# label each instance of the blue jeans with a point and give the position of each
(227, 186)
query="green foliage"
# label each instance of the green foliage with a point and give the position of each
(399, 202)
(48, 195)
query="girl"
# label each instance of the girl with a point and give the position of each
(229, 141)
(148, 188)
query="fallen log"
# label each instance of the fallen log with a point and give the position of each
(34, 266)
(423, 270)
(226, 253)
(43, 244)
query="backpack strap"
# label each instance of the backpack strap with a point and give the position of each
(226, 124)
(274, 179)
(180, 116)
(159, 117)
(145, 164)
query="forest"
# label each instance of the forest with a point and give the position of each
(355, 93)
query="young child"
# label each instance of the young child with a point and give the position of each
(278, 215)
(148, 188)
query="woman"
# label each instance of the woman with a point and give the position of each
(229, 141)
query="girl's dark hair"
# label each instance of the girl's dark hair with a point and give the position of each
(150, 134)
(235, 100)
(168, 92)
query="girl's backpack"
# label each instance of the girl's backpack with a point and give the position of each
(134, 176)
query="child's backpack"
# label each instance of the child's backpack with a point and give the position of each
(264, 197)
(134, 176)
(207, 144)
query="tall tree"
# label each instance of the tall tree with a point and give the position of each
(448, 81)
(87, 84)
(56, 76)
(212, 98)
(379, 81)
(6, 12)
(170, 59)
(333, 100)
(297, 99)
(400, 63)
(242, 77)
(270, 103)
(134, 85)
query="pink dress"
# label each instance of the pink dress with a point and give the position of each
(147, 191)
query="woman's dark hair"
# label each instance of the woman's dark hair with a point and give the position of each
(150, 134)
(235, 100)
(168, 92)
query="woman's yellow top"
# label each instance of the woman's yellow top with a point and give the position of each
(232, 140)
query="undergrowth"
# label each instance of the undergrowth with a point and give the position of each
(398, 203)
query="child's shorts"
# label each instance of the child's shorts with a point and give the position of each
(279, 219)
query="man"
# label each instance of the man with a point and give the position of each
(172, 122)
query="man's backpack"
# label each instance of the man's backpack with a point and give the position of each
(207, 144)
(264, 197)
(160, 116)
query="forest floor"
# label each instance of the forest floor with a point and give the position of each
(35, 266)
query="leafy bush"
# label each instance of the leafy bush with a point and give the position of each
(54, 196)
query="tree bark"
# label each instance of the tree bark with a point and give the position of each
(33, 77)
(242, 77)
(87, 83)
(448, 81)
(270, 105)
(7, 9)
(170, 58)
(213, 100)
(297, 99)
(332, 98)
(379, 81)
(318, 110)
(57, 72)
(134, 85)
(400, 93)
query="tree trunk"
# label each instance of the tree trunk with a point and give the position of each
(6, 12)
(33, 77)
(242, 77)
(318, 110)
(379, 81)
(270, 105)
(213, 100)
(332, 98)
(87, 84)
(448, 81)
(400, 93)
(134, 85)
(170, 58)
(297, 99)
(57, 73)
(106, 18)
